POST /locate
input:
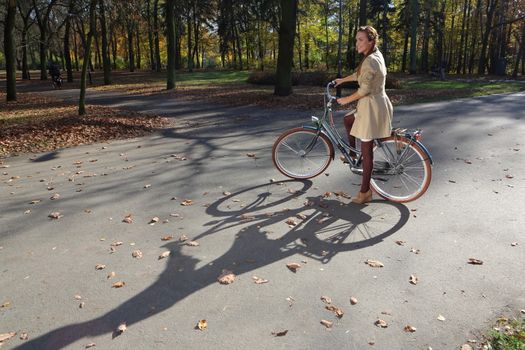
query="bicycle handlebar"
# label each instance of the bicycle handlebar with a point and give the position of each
(328, 86)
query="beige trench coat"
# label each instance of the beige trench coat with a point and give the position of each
(373, 119)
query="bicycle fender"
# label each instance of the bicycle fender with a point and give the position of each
(425, 150)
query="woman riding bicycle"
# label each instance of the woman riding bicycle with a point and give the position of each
(373, 119)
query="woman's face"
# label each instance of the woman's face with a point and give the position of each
(362, 43)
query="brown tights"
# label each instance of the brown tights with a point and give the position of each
(366, 150)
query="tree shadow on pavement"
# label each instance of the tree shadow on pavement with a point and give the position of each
(324, 227)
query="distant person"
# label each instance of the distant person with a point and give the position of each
(373, 119)
(54, 72)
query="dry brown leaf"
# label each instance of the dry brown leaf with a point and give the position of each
(293, 266)
(226, 277)
(111, 275)
(116, 244)
(35, 201)
(90, 345)
(327, 324)
(147, 186)
(353, 301)
(280, 334)
(338, 312)
(137, 254)
(154, 220)
(374, 263)
(258, 280)
(247, 217)
(414, 250)
(513, 244)
(183, 238)
(55, 196)
(409, 328)
(6, 336)
(24, 336)
(118, 284)
(226, 193)
(413, 279)
(473, 261)
(166, 238)
(186, 202)
(301, 216)
(164, 255)
(441, 318)
(193, 243)
(81, 305)
(4, 305)
(122, 328)
(128, 219)
(55, 215)
(326, 300)
(251, 155)
(381, 323)
(291, 222)
(202, 325)
(78, 297)
(400, 242)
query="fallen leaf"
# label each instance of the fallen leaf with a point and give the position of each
(301, 216)
(473, 261)
(81, 305)
(202, 325)
(452, 181)
(251, 155)
(137, 254)
(381, 323)
(414, 250)
(400, 242)
(183, 238)
(374, 263)
(353, 301)
(166, 238)
(6, 336)
(441, 318)
(280, 334)
(111, 275)
(192, 243)
(513, 244)
(327, 324)
(27, 211)
(164, 255)
(4, 305)
(227, 277)
(338, 312)
(153, 220)
(326, 300)
(78, 297)
(291, 222)
(35, 201)
(55, 196)
(247, 217)
(508, 176)
(327, 194)
(186, 202)
(128, 219)
(116, 244)
(122, 328)
(226, 193)
(413, 279)
(118, 284)
(293, 266)
(147, 186)
(258, 280)
(55, 215)
(90, 345)
(466, 347)
(409, 328)
(24, 336)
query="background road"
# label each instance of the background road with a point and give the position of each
(473, 209)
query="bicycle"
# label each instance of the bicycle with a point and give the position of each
(402, 164)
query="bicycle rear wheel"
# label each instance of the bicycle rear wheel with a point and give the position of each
(402, 170)
(302, 154)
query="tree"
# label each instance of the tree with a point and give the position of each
(414, 11)
(105, 54)
(9, 49)
(170, 29)
(283, 75)
(28, 20)
(87, 55)
(42, 17)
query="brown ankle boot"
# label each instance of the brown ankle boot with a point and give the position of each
(362, 197)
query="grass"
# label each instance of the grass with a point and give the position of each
(462, 88)
(508, 335)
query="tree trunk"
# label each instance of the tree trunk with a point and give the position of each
(283, 75)
(106, 64)
(362, 13)
(482, 63)
(327, 38)
(340, 47)
(413, 35)
(137, 41)
(25, 68)
(521, 52)
(150, 36)
(299, 46)
(87, 54)
(426, 40)
(98, 58)
(131, 53)
(190, 54)
(459, 65)
(178, 43)
(156, 34)
(10, 50)
(405, 51)
(170, 29)
(67, 53)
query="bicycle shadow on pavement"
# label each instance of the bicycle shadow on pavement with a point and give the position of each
(323, 226)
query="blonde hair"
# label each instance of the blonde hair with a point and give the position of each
(371, 34)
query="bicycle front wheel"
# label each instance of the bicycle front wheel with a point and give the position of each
(302, 154)
(402, 170)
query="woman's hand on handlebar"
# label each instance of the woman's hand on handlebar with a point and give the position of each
(343, 100)
(338, 81)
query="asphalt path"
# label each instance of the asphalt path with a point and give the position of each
(473, 209)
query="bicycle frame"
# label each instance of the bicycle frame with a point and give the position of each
(325, 125)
